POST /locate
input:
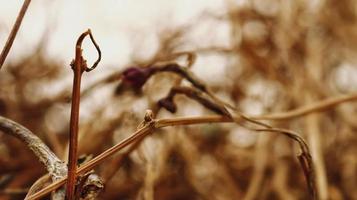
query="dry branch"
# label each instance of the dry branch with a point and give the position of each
(13, 32)
(79, 66)
(54, 166)
(151, 125)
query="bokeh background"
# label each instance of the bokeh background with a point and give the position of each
(262, 56)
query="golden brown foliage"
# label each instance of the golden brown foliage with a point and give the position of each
(282, 55)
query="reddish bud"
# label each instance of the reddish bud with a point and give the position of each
(136, 76)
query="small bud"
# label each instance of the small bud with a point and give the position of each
(137, 76)
(149, 116)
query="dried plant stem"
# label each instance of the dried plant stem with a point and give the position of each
(200, 85)
(314, 107)
(117, 161)
(79, 66)
(40, 183)
(161, 123)
(55, 167)
(78, 69)
(195, 94)
(15, 28)
(193, 120)
(97, 160)
(304, 158)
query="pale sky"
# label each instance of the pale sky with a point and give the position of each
(113, 22)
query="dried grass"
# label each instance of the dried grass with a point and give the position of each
(283, 62)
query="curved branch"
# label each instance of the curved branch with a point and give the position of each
(55, 167)
(304, 110)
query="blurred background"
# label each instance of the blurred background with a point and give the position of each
(262, 56)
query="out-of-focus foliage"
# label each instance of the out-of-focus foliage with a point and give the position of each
(280, 55)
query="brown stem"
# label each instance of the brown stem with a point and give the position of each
(55, 167)
(78, 66)
(73, 129)
(310, 108)
(97, 160)
(40, 183)
(195, 94)
(15, 28)
(305, 158)
(161, 123)
(183, 72)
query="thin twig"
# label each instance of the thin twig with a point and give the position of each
(95, 161)
(312, 108)
(304, 157)
(15, 28)
(117, 161)
(78, 66)
(161, 123)
(193, 93)
(183, 72)
(40, 183)
(196, 82)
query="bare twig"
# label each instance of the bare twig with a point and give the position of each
(145, 130)
(161, 123)
(13, 32)
(79, 66)
(183, 72)
(40, 183)
(305, 158)
(168, 102)
(197, 83)
(117, 161)
(312, 108)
